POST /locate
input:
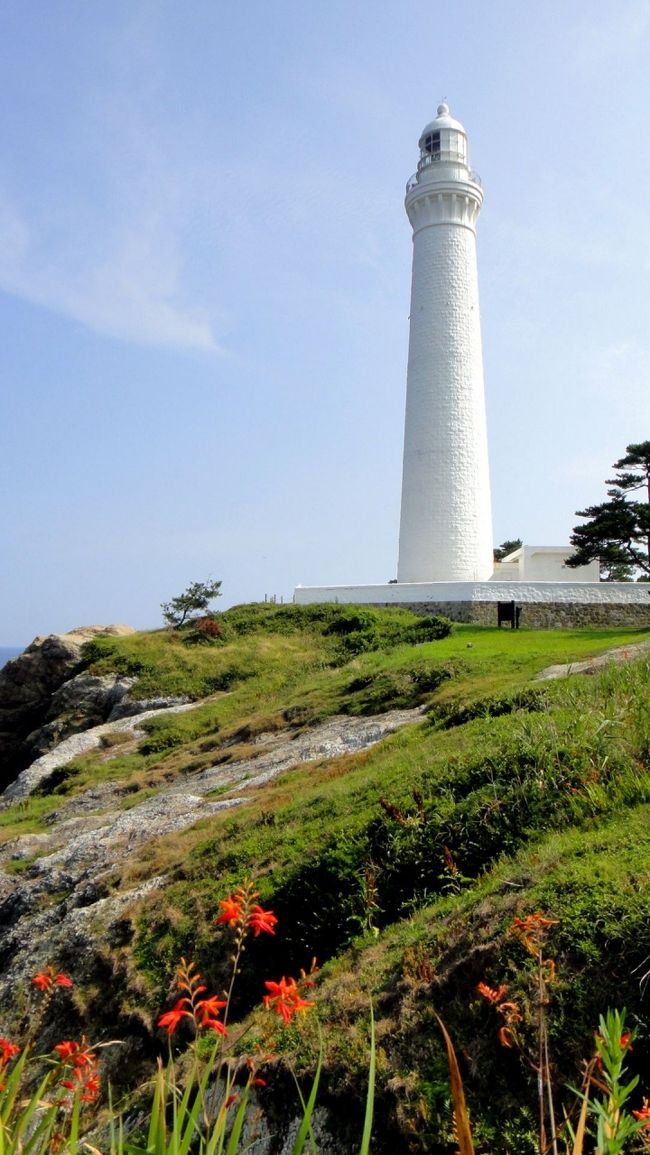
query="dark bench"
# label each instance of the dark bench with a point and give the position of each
(508, 612)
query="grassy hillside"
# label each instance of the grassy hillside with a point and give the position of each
(400, 867)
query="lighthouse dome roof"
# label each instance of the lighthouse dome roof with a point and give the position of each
(443, 120)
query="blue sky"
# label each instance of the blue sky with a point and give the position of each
(205, 277)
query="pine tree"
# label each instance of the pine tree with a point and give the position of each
(617, 532)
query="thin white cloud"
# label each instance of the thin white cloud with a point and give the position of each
(106, 239)
(129, 293)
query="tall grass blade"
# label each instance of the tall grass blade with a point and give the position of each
(157, 1139)
(581, 1131)
(73, 1139)
(235, 1134)
(463, 1129)
(370, 1098)
(23, 1125)
(307, 1112)
(12, 1086)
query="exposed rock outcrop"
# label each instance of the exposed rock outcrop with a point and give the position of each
(59, 904)
(594, 665)
(27, 686)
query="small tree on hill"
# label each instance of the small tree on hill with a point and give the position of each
(195, 600)
(617, 532)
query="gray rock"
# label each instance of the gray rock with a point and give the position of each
(27, 684)
(594, 665)
(74, 746)
(125, 707)
(82, 702)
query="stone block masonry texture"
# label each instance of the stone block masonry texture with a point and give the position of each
(540, 615)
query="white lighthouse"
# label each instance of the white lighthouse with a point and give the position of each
(445, 548)
(446, 520)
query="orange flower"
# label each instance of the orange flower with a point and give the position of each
(47, 979)
(172, 1018)
(8, 1050)
(213, 1025)
(261, 920)
(76, 1054)
(86, 1083)
(231, 910)
(90, 1089)
(241, 911)
(207, 1011)
(644, 1114)
(492, 996)
(203, 1012)
(285, 999)
(209, 1008)
(532, 930)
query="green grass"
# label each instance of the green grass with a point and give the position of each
(539, 792)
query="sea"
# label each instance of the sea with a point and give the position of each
(8, 652)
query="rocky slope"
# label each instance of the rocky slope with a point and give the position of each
(391, 791)
(93, 834)
(57, 899)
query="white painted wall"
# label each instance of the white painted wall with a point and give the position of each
(446, 522)
(584, 593)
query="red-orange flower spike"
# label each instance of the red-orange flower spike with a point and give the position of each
(7, 1051)
(231, 910)
(285, 999)
(240, 911)
(209, 1008)
(489, 993)
(207, 1011)
(49, 978)
(532, 930)
(213, 1025)
(261, 921)
(76, 1054)
(644, 1114)
(171, 1019)
(90, 1089)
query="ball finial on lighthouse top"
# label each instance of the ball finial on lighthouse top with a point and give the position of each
(443, 139)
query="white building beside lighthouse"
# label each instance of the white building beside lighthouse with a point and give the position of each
(446, 518)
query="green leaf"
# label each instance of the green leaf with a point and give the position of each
(308, 1110)
(370, 1097)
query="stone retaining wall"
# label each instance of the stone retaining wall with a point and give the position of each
(540, 615)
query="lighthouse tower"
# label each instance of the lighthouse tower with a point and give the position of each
(446, 522)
